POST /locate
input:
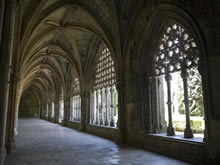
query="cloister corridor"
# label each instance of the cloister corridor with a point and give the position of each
(40, 142)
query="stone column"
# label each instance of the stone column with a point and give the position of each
(112, 122)
(170, 129)
(106, 106)
(74, 109)
(88, 108)
(84, 110)
(56, 111)
(71, 110)
(66, 109)
(49, 110)
(11, 118)
(77, 108)
(6, 16)
(92, 108)
(121, 122)
(97, 107)
(100, 109)
(187, 131)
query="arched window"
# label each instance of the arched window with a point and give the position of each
(75, 113)
(104, 98)
(176, 63)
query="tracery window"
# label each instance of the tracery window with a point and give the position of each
(104, 97)
(75, 113)
(177, 62)
(61, 111)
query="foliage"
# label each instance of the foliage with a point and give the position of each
(194, 92)
(195, 125)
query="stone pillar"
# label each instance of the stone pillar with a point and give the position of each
(100, 109)
(6, 16)
(11, 118)
(83, 110)
(121, 122)
(92, 108)
(97, 107)
(77, 108)
(106, 106)
(88, 108)
(56, 111)
(112, 122)
(187, 131)
(66, 109)
(49, 110)
(74, 108)
(170, 129)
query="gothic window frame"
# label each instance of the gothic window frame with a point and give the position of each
(102, 107)
(178, 51)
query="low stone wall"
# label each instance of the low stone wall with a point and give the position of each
(102, 131)
(74, 125)
(185, 150)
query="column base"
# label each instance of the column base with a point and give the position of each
(112, 123)
(101, 122)
(2, 156)
(120, 139)
(188, 133)
(106, 122)
(170, 131)
(10, 147)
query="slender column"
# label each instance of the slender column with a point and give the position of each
(101, 106)
(6, 29)
(112, 123)
(73, 109)
(92, 110)
(187, 131)
(76, 108)
(79, 108)
(97, 107)
(170, 129)
(72, 115)
(49, 111)
(78, 104)
(56, 111)
(106, 106)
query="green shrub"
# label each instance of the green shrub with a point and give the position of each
(195, 125)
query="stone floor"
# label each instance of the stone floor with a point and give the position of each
(43, 143)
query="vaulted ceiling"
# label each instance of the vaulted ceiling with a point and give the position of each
(57, 40)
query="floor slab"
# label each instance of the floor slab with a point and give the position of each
(43, 143)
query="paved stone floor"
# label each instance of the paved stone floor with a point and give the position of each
(43, 143)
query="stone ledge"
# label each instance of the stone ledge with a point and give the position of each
(179, 138)
(186, 150)
(103, 131)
